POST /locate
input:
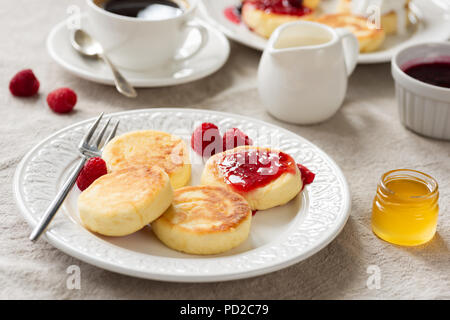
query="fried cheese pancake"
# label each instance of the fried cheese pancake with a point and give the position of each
(389, 20)
(149, 147)
(369, 38)
(266, 178)
(265, 21)
(124, 201)
(204, 220)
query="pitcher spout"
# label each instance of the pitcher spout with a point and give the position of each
(297, 36)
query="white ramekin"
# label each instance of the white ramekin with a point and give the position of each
(423, 108)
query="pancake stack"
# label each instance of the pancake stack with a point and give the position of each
(145, 184)
(359, 16)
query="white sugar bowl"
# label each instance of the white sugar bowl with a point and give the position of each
(424, 108)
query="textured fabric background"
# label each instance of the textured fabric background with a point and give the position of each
(365, 138)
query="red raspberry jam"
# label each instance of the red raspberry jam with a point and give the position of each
(233, 14)
(307, 176)
(290, 7)
(246, 170)
(435, 73)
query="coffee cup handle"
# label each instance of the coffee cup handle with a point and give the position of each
(204, 38)
(351, 48)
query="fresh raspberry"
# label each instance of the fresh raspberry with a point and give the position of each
(62, 100)
(206, 139)
(307, 175)
(234, 138)
(24, 84)
(92, 170)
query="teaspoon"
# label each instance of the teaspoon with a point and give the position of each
(88, 46)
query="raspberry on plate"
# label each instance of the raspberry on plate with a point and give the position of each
(24, 84)
(62, 100)
(234, 138)
(307, 175)
(92, 170)
(206, 139)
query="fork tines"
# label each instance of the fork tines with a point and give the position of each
(90, 146)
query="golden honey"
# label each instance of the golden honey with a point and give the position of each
(405, 208)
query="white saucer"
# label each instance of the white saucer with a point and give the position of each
(207, 61)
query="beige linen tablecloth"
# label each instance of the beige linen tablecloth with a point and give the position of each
(365, 138)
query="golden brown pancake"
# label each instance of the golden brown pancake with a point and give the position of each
(389, 21)
(150, 147)
(369, 38)
(204, 220)
(276, 192)
(124, 201)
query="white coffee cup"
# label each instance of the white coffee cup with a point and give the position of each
(140, 44)
(303, 73)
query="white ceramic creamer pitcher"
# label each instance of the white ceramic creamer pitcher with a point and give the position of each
(303, 73)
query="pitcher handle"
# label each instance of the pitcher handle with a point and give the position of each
(351, 48)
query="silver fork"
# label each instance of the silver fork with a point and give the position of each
(88, 147)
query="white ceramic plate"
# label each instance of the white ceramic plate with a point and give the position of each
(434, 26)
(279, 237)
(211, 58)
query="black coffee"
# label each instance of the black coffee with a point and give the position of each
(145, 9)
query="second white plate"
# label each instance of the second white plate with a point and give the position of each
(434, 26)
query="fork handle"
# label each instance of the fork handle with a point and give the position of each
(57, 202)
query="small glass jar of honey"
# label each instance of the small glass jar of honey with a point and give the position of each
(405, 208)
